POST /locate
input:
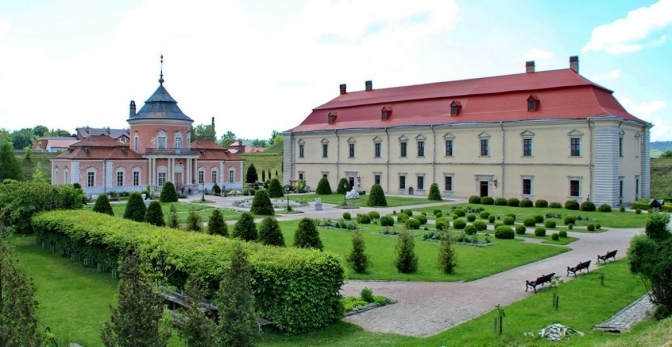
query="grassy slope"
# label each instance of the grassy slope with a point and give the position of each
(37, 159)
(661, 177)
(271, 159)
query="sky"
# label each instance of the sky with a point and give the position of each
(258, 66)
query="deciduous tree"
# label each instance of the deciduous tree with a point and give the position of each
(9, 166)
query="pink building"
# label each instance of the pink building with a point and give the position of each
(160, 150)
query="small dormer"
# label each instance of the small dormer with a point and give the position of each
(455, 108)
(532, 103)
(86, 150)
(331, 117)
(385, 113)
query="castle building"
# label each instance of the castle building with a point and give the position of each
(159, 150)
(552, 135)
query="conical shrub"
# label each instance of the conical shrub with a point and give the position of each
(377, 196)
(270, 233)
(406, 260)
(323, 187)
(343, 186)
(135, 208)
(261, 204)
(358, 259)
(168, 193)
(103, 205)
(275, 189)
(434, 193)
(245, 228)
(306, 235)
(217, 225)
(154, 214)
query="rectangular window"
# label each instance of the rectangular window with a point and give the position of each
(449, 183)
(162, 142)
(527, 186)
(376, 149)
(449, 148)
(325, 150)
(90, 179)
(120, 178)
(620, 146)
(484, 147)
(376, 179)
(300, 175)
(403, 149)
(136, 178)
(527, 147)
(421, 182)
(352, 150)
(300, 151)
(575, 188)
(178, 142)
(620, 188)
(232, 175)
(421, 148)
(402, 182)
(636, 186)
(575, 147)
(214, 177)
(162, 178)
(201, 179)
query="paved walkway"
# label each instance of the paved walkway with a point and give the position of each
(626, 318)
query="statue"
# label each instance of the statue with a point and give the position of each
(352, 195)
(318, 204)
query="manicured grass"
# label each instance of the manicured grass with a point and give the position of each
(614, 219)
(473, 262)
(547, 239)
(337, 199)
(182, 211)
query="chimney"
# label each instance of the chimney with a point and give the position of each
(529, 66)
(213, 122)
(368, 85)
(343, 89)
(574, 63)
(131, 112)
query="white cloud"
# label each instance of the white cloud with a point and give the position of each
(612, 75)
(652, 112)
(537, 54)
(631, 33)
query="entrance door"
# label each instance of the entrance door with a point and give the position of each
(484, 188)
(178, 178)
(351, 181)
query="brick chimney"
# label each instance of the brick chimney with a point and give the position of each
(529, 66)
(342, 88)
(131, 111)
(368, 85)
(213, 122)
(574, 63)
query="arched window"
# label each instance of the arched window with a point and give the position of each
(136, 138)
(136, 176)
(213, 175)
(66, 178)
(119, 177)
(91, 177)
(232, 175)
(55, 179)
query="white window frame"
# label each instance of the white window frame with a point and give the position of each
(91, 177)
(55, 178)
(119, 173)
(161, 140)
(136, 177)
(65, 176)
(214, 175)
(522, 186)
(580, 183)
(232, 175)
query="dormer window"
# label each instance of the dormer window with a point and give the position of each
(385, 113)
(332, 117)
(455, 108)
(532, 103)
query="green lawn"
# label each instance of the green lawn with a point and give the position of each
(473, 262)
(392, 201)
(614, 219)
(182, 211)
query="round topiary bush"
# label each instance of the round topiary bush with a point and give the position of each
(455, 217)
(555, 237)
(541, 203)
(550, 224)
(436, 211)
(434, 193)
(520, 229)
(386, 221)
(529, 222)
(275, 189)
(562, 233)
(604, 208)
(526, 203)
(555, 205)
(587, 206)
(570, 226)
(538, 218)
(497, 225)
(480, 225)
(484, 214)
(491, 219)
(408, 212)
(421, 218)
(539, 231)
(347, 216)
(512, 215)
(471, 218)
(261, 204)
(402, 218)
(572, 205)
(168, 192)
(459, 212)
(103, 205)
(487, 200)
(501, 202)
(413, 223)
(377, 196)
(363, 218)
(638, 211)
(569, 219)
(474, 199)
(508, 220)
(504, 232)
(598, 226)
(323, 187)
(513, 202)
(442, 223)
(590, 227)
(374, 215)
(621, 209)
(459, 224)
(307, 236)
(470, 230)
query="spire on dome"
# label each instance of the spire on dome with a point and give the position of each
(161, 75)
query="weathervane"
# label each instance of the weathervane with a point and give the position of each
(161, 75)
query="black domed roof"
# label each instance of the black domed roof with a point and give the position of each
(160, 106)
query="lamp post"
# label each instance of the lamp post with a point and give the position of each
(287, 192)
(345, 197)
(203, 191)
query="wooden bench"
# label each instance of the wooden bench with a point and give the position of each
(540, 281)
(579, 267)
(606, 257)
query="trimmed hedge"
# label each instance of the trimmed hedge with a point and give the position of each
(572, 205)
(487, 200)
(562, 233)
(474, 199)
(526, 203)
(421, 218)
(297, 289)
(363, 218)
(471, 217)
(555, 205)
(587, 206)
(550, 224)
(590, 227)
(460, 212)
(569, 219)
(604, 208)
(402, 218)
(484, 215)
(541, 203)
(513, 202)
(504, 232)
(640, 204)
(480, 225)
(501, 202)
(412, 223)
(459, 224)
(520, 229)
(529, 222)
(508, 220)
(538, 218)
(347, 216)
(374, 215)
(442, 223)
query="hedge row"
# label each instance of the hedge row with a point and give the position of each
(297, 289)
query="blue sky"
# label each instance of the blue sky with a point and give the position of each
(258, 66)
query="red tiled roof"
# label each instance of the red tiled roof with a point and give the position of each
(563, 94)
(97, 147)
(208, 150)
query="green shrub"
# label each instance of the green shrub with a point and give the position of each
(135, 208)
(347, 216)
(363, 218)
(550, 224)
(497, 225)
(470, 230)
(638, 211)
(193, 220)
(312, 279)
(501, 202)
(572, 205)
(513, 202)
(447, 256)
(587, 206)
(103, 205)
(216, 189)
(541, 203)
(512, 215)
(508, 220)
(408, 212)
(555, 237)
(460, 212)
(471, 217)
(434, 193)
(343, 186)
(555, 205)
(641, 204)
(367, 295)
(438, 214)
(562, 233)
(275, 189)
(484, 214)
(261, 204)
(359, 260)
(374, 215)
(520, 229)
(421, 218)
(570, 226)
(377, 196)
(621, 209)
(245, 229)
(306, 235)
(270, 233)
(173, 220)
(413, 223)
(402, 218)
(598, 226)
(459, 224)
(661, 312)
(480, 225)
(386, 221)
(504, 233)
(474, 199)
(604, 208)
(168, 192)
(539, 231)
(217, 225)
(487, 200)
(569, 219)
(538, 218)
(154, 214)
(491, 219)
(590, 227)
(529, 222)
(406, 260)
(526, 203)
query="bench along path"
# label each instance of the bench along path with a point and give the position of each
(427, 308)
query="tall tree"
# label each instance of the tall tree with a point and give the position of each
(259, 143)
(274, 134)
(22, 138)
(59, 132)
(251, 175)
(40, 131)
(5, 137)
(196, 330)
(9, 166)
(227, 139)
(204, 132)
